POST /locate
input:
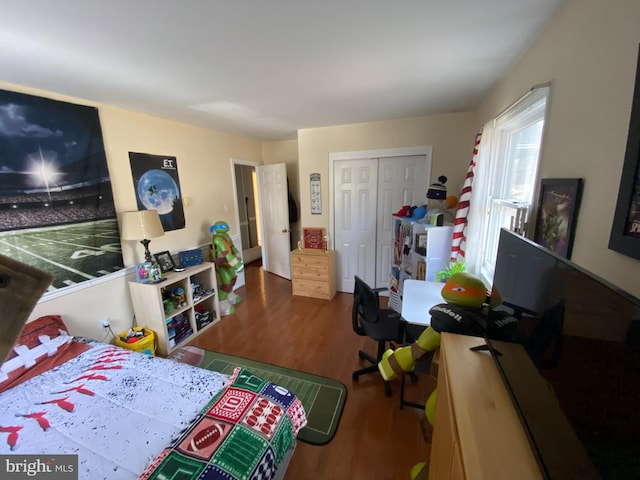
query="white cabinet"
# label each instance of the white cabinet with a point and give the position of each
(176, 322)
(420, 251)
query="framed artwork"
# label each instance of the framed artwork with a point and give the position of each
(157, 186)
(316, 195)
(313, 238)
(557, 214)
(55, 184)
(165, 260)
(625, 229)
(148, 273)
(421, 244)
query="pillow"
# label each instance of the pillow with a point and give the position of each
(50, 325)
(42, 345)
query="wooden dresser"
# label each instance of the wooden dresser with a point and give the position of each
(313, 273)
(477, 433)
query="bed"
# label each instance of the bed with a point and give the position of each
(127, 415)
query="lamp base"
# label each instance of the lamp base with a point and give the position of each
(147, 253)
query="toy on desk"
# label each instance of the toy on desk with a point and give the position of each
(228, 264)
(467, 311)
(465, 295)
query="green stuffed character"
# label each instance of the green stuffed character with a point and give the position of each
(466, 295)
(228, 264)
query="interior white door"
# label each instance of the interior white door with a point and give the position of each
(355, 199)
(401, 181)
(274, 219)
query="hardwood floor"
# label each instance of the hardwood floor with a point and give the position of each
(375, 439)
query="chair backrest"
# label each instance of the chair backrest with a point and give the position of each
(369, 319)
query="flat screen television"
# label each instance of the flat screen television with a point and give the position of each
(583, 335)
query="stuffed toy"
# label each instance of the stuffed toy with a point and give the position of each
(467, 311)
(228, 264)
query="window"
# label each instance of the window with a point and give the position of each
(506, 177)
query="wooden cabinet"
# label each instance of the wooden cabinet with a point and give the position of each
(313, 273)
(176, 322)
(478, 433)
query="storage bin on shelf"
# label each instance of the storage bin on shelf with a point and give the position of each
(144, 341)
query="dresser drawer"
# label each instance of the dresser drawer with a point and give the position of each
(312, 271)
(311, 288)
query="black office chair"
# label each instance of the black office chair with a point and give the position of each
(385, 326)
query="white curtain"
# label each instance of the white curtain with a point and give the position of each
(473, 258)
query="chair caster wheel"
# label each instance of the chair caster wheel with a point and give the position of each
(361, 355)
(413, 378)
(355, 377)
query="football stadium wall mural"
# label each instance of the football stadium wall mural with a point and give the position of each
(155, 178)
(56, 203)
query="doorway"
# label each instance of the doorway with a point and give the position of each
(248, 212)
(263, 222)
(367, 187)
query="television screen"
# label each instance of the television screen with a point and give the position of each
(583, 335)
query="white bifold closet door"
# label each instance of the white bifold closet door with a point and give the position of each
(367, 192)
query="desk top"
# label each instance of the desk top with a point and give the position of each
(418, 297)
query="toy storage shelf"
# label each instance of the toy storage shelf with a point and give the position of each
(175, 324)
(417, 261)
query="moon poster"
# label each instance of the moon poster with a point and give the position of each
(155, 178)
(56, 203)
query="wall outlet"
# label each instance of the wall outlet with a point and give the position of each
(105, 322)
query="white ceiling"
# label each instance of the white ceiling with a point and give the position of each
(266, 68)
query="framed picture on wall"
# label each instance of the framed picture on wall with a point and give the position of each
(558, 213)
(625, 230)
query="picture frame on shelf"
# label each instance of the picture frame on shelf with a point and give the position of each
(421, 244)
(313, 238)
(149, 272)
(165, 260)
(625, 228)
(557, 215)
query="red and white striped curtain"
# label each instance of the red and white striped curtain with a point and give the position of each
(458, 247)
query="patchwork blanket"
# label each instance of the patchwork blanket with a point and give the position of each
(243, 433)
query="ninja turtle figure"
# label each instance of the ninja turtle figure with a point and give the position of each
(228, 264)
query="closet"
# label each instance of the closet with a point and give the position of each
(367, 189)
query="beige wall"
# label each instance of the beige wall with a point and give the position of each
(452, 137)
(589, 54)
(204, 169)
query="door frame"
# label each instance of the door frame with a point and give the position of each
(238, 234)
(334, 157)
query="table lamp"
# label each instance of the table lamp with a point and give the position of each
(142, 225)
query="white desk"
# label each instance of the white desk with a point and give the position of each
(418, 297)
